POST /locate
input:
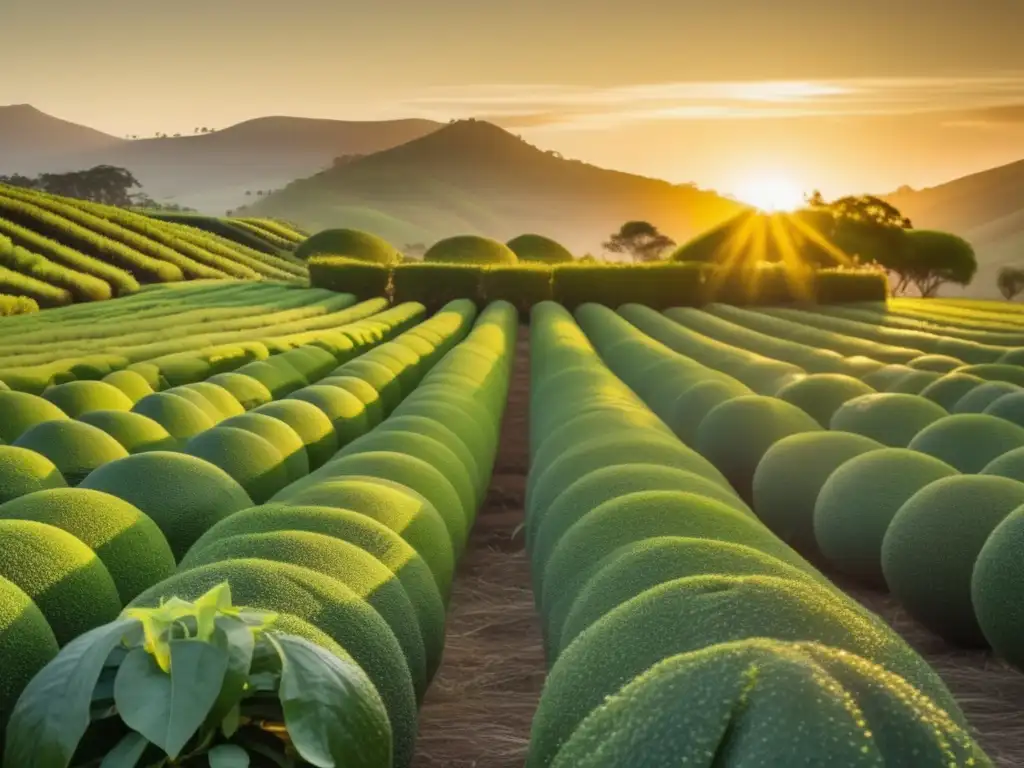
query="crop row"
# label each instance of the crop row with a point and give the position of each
(358, 521)
(899, 481)
(677, 625)
(16, 305)
(240, 231)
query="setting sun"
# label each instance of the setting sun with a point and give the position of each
(771, 194)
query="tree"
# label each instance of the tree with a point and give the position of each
(932, 259)
(641, 240)
(106, 184)
(1010, 281)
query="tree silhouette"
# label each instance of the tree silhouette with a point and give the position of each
(641, 240)
(106, 184)
(1010, 282)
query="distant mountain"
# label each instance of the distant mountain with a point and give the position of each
(986, 208)
(473, 177)
(210, 172)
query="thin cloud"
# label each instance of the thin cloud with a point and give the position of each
(979, 98)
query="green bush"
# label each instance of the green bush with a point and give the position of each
(836, 286)
(657, 286)
(329, 606)
(135, 432)
(129, 543)
(23, 472)
(948, 390)
(364, 279)
(914, 382)
(522, 285)
(132, 384)
(936, 363)
(79, 397)
(181, 418)
(696, 402)
(75, 448)
(995, 588)
(820, 395)
(540, 249)
(221, 399)
(736, 434)
(252, 461)
(767, 714)
(690, 614)
(350, 243)
(930, 548)
(345, 411)
(470, 249)
(202, 402)
(995, 372)
(20, 411)
(891, 419)
(63, 576)
(183, 495)
(278, 377)
(280, 436)
(364, 391)
(859, 500)
(984, 395)
(790, 477)
(968, 441)
(753, 283)
(17, 305)
(249, 392)
(436, 284)
(310, 424)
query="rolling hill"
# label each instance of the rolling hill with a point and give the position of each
(986, 208)
(210, 172)
(472, 177)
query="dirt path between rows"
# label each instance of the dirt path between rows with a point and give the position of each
(478, 710)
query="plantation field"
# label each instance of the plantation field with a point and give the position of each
(607, 537)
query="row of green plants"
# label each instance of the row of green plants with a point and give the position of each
(656, 285)
(661, 591)
(16, 305)
(346, 571)
(245, 232)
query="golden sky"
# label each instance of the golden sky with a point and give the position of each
(844, 97)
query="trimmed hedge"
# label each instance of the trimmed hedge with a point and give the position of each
(539, 248)
(522, 285)
(435, 284)
(470, 249)
(361, 246)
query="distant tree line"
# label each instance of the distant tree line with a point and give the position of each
(106, 184)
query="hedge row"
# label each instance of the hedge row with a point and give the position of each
(653, 285)
(16, 305)
(660, 590)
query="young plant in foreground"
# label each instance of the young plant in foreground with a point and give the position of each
(201, 684)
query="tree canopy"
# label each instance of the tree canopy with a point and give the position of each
(1010, 281)
(105, 184)
(641, 240)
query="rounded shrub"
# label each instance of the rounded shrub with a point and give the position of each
(356, 568)
(75, 448)
(309, 423)
(329, 606)
(694, 693)
(65, 578)
(367, 534)
(439, 431)
(184, 495)
(466, 418)
(693, 405)
(23, 472)
(948, 390)
(821, 394)
(345, 411)
(399, 507)
(636, 516)
(276, 376)
(181, 418)
(1009, 464)
(859, 500)
(351, 243)
(78, 397)
(982, 396)
(136, 433)
(913, 383)
(20, 411)
(470, 249)
(996, 372)
(689, 614)
(253, 462)
(133, 384)
(249, 392)
(538, 248)
(199, 400)
(995, 588)
(227, 404)
(735, 435)
(931, 546)
(891, 419)
(882, 378)
(129, 543)
(362, 389)
(282, 437)
(935, 363)
(791, 475)
(968, 441)
(601, 421)
(379, 376)
(1009, 407)
(642, 565)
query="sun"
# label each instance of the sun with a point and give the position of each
(771, 194)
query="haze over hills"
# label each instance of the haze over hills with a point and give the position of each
(210, 172)
(986, 208)
(474, 177)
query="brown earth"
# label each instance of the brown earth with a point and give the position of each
(478, 711)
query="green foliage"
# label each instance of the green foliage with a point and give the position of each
(936, 258)
(1010, 282)
(994, 588)
(364, 279)
(27, 288)
(252, 461)
(309, 423)
(470, 249)
(181, 418)
(135, 432)
(968, 441)
(820, 395)
(77, 398)
(20, 411)
(540, 249)
(837, 286)
(202, 683)
(75, 448)
(522, 285)
(23, 472)
(641, 240)
(436, 283)
(349, 243)
(656, 285)
(893, 419)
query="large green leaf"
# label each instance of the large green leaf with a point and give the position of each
(235, 637)
(52, 714)
(127, 752)
(334, 715)
(228, 756)
(168, 709)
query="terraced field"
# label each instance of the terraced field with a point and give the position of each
(615, 538)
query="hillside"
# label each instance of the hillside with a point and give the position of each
(210, 172)
(986, 208)
(474, 177)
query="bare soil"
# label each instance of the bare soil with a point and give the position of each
(478, 711)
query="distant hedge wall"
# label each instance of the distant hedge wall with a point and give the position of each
(666, 284)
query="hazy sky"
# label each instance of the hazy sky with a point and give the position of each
(843, 96)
